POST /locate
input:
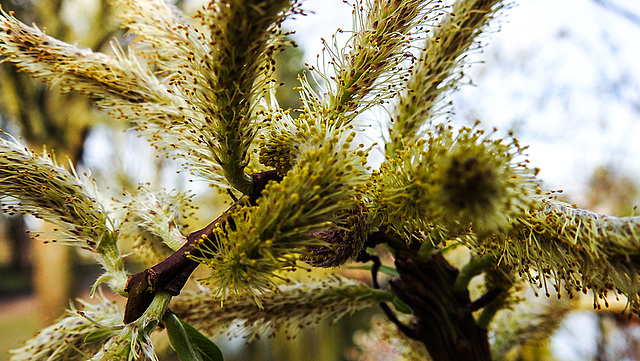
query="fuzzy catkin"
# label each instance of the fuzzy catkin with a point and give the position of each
(316, 194)
(452, 183)
(437, 69)
(65, 339)
(331, 298)
(559, 246)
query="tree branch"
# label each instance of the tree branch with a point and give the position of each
(445, 323)
(171, 274)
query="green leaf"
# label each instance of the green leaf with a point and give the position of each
(208, 350)
(401, 306)
(384, 269)
(179, 339)
(189, 343)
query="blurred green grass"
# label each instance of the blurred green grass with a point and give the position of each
(18, 323)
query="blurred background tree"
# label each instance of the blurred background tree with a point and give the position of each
(60, 121)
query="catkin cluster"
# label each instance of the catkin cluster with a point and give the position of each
(316, 194)
(451, 184)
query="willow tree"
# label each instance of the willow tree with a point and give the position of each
(305, 195)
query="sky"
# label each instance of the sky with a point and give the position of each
(562, 73)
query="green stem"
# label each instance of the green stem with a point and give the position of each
(487, 314)
(236, 176)
(425, 251)
(158, 305)
(474, 267)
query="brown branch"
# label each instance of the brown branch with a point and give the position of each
(445, 323)
(171, 274)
